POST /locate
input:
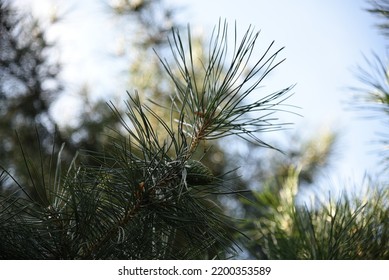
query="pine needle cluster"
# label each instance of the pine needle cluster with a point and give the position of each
(147, 197)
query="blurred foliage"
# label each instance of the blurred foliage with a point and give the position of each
(354, 226)
(371, 97)
(28, 86)
(281, 226)
(380, 9)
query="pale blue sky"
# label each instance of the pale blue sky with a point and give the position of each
(324, 40)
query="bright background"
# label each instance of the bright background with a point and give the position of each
(325, 42)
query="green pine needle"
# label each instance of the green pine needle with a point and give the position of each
(214, 102)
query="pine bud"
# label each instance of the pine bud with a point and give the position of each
(198, 173)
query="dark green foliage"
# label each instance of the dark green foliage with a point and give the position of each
(198, 173)
(144, 196)
(129, 208)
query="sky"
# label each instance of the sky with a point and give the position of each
(324, 43)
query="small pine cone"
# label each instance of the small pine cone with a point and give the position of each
(198, 173)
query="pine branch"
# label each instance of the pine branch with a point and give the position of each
(214, 103)
(145, 196)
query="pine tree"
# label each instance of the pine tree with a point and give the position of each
(149, 197)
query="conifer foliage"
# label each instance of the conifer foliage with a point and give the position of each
(149, 197)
